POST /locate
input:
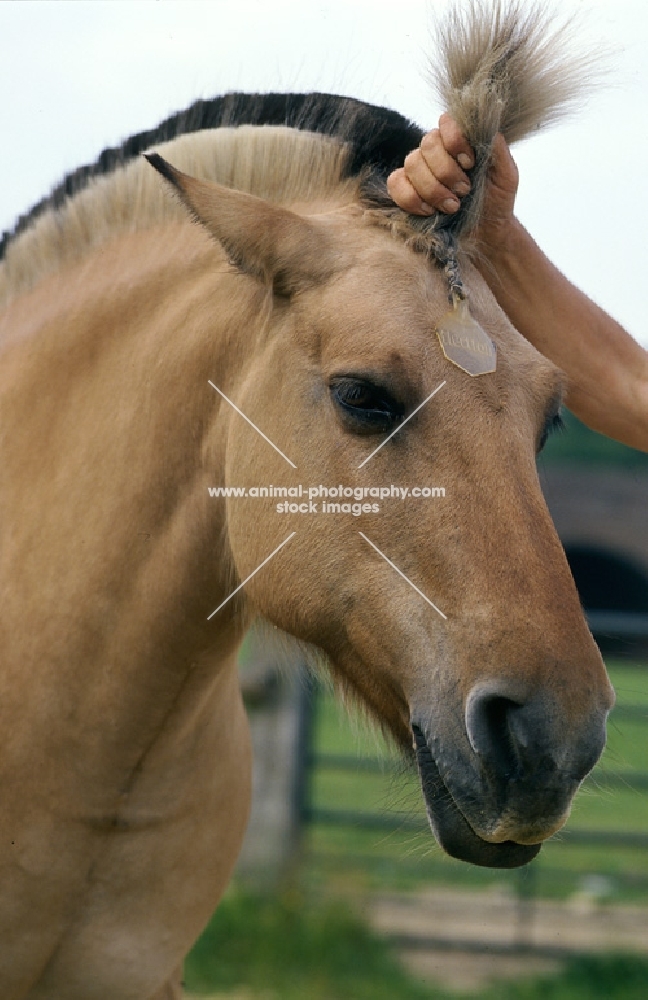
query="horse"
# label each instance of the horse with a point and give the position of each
(248, 308)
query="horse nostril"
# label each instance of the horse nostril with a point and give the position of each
(496, 730)
(517, 738)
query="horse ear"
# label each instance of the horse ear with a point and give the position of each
(280, 247)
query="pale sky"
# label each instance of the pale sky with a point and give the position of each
(77, 76)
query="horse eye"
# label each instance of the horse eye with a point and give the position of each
(365, 408)
(552, 424)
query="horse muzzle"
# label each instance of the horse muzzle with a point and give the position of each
(495, 794)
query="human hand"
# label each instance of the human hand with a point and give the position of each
(433, 178)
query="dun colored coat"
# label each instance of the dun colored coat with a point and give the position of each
(311, 305)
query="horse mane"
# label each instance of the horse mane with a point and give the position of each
(501, 67)
(309, 145)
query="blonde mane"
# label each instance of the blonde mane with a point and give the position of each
(283, 165)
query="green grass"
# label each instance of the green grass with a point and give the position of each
(401, 858)
(289, 949)
(292, 951)
(614, 977)
(630, 683)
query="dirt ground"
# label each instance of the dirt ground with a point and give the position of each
(435, 931)
(466, 973)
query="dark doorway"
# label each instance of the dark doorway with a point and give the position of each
(607, 581)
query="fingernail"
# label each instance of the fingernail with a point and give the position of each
(462, 188)
(450, 205)
(464, 161)
(427, 209)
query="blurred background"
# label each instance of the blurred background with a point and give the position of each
(341, 893)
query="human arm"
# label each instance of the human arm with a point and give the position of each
(607, 369)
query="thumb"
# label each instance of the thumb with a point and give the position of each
(499, 196)
(503, 172)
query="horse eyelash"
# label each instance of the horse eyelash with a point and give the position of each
(556, 425)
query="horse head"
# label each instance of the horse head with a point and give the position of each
(454, 618)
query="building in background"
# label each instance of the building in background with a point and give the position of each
(597, 493)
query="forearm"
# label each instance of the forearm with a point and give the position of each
(607, 370)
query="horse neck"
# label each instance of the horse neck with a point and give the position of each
(120, 433)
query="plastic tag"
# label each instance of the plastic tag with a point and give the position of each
(464, 342)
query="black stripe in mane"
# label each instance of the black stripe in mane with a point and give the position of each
(379, 138)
